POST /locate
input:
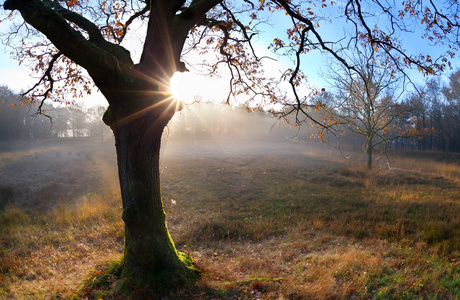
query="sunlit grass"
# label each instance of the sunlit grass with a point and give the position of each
(330, 228)
(437, 164)
(49, 251)
(266, 225)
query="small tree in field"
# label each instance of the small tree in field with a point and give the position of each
(65, 37)
(365, 102)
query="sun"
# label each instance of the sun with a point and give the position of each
(182, 88)
(191, 88)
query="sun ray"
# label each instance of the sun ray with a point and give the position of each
(170, 100)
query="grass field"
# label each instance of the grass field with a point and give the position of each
(261, 222)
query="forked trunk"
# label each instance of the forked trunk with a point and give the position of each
(150, 257)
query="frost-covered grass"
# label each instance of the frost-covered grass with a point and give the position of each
(289, 223)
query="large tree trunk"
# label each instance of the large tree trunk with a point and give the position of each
(150, 257)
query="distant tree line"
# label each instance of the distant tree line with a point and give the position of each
(221, 121)
(371, 110)
(18, 119)
(431, 119)
(428, 119)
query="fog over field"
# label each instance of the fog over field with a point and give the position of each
(55, 166)
(41, 172)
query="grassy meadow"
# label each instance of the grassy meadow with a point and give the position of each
(268, 221)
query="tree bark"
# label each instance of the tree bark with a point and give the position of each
(150, 258)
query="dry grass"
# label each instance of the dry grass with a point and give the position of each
(53, 238)
(288, 223)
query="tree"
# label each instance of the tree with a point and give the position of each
(365, 102)
(452, 92)
(63, 37)
(412, 122)
(61, 121)
(452, 111)
(96, 127)
(77, 121)
(11, 120)
(434, 96)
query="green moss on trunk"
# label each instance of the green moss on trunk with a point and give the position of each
(157, 282)
(151, 262)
